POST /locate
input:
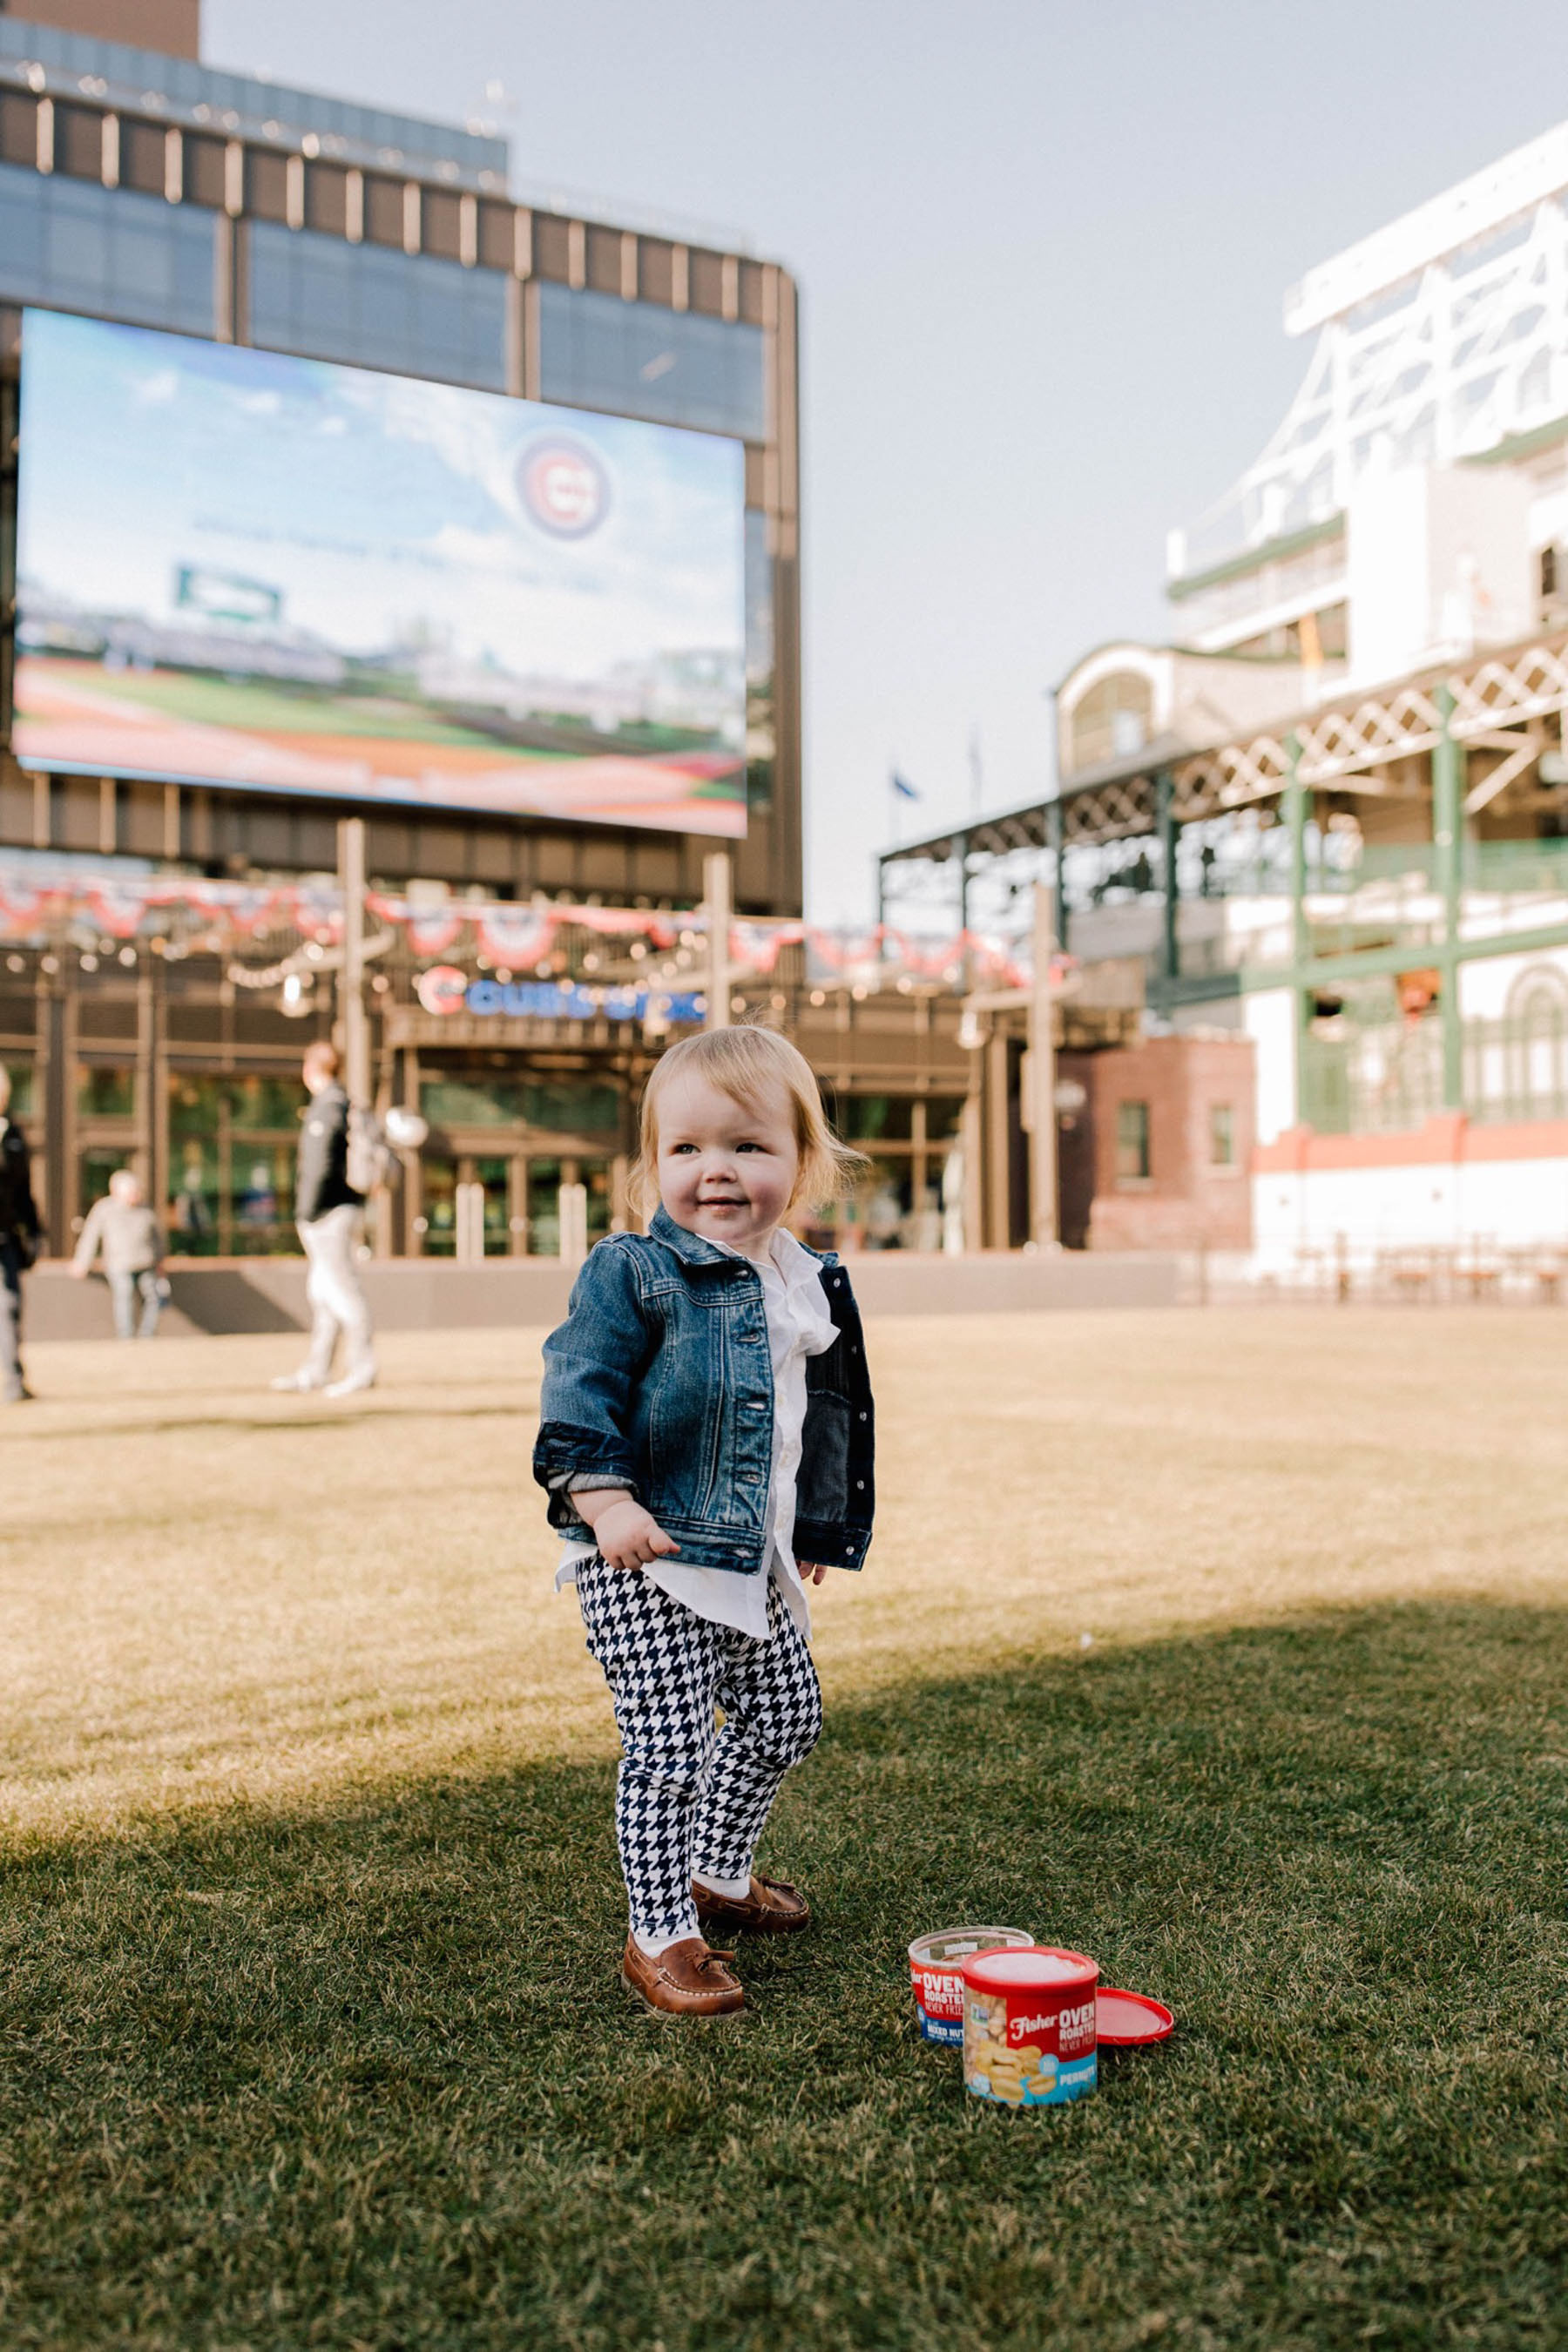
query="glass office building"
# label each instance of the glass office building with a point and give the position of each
(154, 190)
(151, 189)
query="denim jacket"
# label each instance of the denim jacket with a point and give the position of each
(660, 1379)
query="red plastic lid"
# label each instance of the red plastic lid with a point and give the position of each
(1040, 1968)
(1123, 2020)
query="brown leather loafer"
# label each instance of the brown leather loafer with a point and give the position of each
(771, 1908)
(687, 1979)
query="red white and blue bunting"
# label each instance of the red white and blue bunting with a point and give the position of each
(51, 904)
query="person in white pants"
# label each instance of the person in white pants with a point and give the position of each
(330, 1216)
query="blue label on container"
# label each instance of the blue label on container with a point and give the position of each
(1070, 2082)
(941, 2029)
(1073, 2081)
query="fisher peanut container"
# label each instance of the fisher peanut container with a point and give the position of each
(936, 1963)
(1029, 2027)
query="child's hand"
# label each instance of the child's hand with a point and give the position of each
(627, 1535)
(813, 1571)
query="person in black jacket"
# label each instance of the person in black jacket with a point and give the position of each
(20, 1234)
(330, 1216)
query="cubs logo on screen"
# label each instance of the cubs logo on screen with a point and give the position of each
(564, 485)
(441, 988)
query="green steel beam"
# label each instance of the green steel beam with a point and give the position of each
(1325, 972)
(1328, 970)
(1165, 826)
(1449, 766)
(1056, 830)
(1293, 807)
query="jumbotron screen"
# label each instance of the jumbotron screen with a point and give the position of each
(237, 568)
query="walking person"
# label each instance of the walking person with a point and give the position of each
(21, 1237)
(330, 1216)
(705, 1440)
(123, 1227)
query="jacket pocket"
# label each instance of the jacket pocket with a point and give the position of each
(822, 1484)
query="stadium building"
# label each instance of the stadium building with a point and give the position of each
(188, 721)
(1327, 824)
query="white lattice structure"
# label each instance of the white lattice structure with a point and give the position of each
(1442, 338)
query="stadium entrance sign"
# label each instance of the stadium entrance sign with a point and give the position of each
(444, 989)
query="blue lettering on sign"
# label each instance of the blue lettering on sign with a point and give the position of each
(540, 1000)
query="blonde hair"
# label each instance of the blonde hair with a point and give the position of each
(745, 1064)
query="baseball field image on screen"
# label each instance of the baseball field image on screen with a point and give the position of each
(237, 568)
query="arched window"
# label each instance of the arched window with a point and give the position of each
(1538, 1040)
(1112, 720)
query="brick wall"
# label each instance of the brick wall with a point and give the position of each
(171, 27)
(1187, 1198)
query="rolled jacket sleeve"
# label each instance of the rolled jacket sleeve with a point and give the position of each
(591, 1365)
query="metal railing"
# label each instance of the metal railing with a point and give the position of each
(1386, 1077)
(1375, 1082)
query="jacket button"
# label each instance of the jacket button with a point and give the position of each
(862, 1416)
(859, 1485)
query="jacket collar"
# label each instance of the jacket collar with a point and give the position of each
(694, 1250)
(688, 1246)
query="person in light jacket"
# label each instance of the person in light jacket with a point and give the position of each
(21, 1236)
(123, 1227)
(330, 1216)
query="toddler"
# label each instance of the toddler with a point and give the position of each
(705, 1440)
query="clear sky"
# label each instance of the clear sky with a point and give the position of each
(1042, 247)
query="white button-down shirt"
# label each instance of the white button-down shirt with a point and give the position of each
(799, 1325)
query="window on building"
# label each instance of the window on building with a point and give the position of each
(876, 1118)
(1222, 1135)
(373, 306)
(18, 128)
(1132, 1143)
(560, 1105)
(1113, 720)
(69, 245)
(637, 359)
(144, 157)
(232, 1147)
(105, 1093)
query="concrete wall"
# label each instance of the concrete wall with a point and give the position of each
(1438, 563)
(269, 1293)
(1449, 1184)
(171, 27)
(1269, 1017)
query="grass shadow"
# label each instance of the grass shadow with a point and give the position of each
(360, 2075)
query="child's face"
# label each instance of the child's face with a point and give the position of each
(726, 1169)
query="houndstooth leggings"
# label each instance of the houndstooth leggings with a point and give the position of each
(689, 1797)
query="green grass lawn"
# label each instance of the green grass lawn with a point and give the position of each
(334, 2056)
(251, 702)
